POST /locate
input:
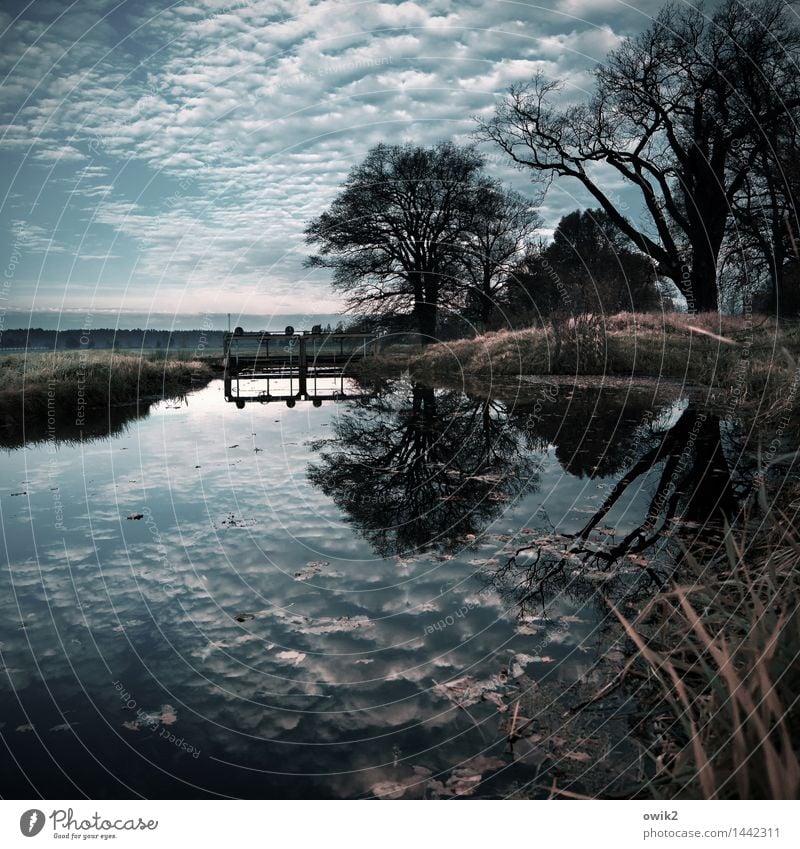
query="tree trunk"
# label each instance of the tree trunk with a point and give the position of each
(703, 285)
(425, 319)
(486, 307)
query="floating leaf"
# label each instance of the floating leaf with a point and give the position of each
(388, 789)
(295, 658)
(465, 778)
(169, 716)
(311, 569)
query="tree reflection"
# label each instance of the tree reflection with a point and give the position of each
(691, 491)
(420, 467)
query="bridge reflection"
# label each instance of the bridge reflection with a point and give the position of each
(289, 367)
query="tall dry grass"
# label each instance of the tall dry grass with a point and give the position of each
(67, 383)
(749, 361)
(721, 648)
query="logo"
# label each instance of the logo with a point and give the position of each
(31, 822)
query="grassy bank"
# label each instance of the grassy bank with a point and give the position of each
(71, 386)
(719, 651)
(752, 359)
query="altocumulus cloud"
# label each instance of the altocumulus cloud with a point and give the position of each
(168, 155)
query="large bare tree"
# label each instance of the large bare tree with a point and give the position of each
(396, 232)
(682, 112)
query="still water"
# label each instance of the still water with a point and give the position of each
(331, 601)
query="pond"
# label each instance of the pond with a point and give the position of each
(402, 594)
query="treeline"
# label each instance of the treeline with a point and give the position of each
(694, 123)
(198, 341)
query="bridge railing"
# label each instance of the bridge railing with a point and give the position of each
(247, 349)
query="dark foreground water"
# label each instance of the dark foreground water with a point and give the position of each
(327, 601)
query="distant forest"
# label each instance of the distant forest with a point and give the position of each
(37, 339)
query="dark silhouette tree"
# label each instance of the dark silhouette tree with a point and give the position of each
(418, 468)
(502, 228)
(396, 231)
(589, 267)
(682, 113)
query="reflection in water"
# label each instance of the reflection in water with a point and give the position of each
(674, 488)
(61, 428)
(418, 468)
(346, 600)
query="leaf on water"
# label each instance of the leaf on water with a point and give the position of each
(526, 659)
(136, 516)
(131, 726)
(496, 699)
(64, 726)
(638, 560)
(614, 656)
(244, 617)
(24, 728)
(389, 789)
(465, 778)
(169, 716)
(581, 757)
(311, 569)
(338, 625)
(599, 576)
(295, 658)
(467, 691)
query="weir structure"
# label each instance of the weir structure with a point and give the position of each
(292, 366)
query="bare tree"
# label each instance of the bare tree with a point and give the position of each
(682, 113)
(396, 230)
(502, 229)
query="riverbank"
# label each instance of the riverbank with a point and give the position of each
(753, 360)
(71, 387)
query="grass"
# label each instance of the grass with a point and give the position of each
(67, 385)
(721, 650)
(751, 359)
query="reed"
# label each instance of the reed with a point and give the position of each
(721, 650)
(68, 385)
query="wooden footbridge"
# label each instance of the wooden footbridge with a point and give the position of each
(291, 366)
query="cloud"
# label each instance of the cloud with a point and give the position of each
(199, 139)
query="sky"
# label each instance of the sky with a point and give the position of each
(165, 157)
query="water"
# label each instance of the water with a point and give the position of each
(320, 601)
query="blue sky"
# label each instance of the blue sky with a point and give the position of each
(165, 157)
